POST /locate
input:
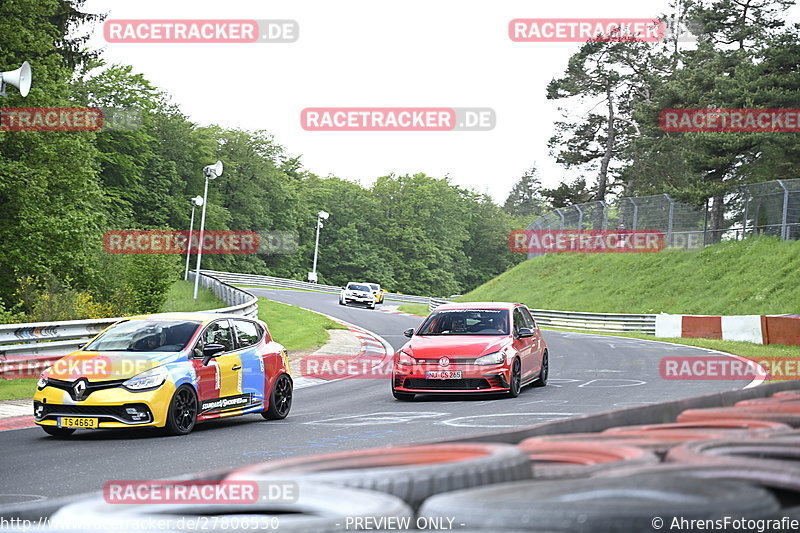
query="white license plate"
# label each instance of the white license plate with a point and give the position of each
(443, 374)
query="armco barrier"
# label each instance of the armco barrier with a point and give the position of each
(35, 345)
(257, 280)
(611, 322)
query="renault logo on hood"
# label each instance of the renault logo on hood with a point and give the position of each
(79, 388)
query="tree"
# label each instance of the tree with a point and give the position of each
(525, 198)
(567, 194)
(51, 214)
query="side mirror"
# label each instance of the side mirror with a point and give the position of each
(525, 332)
(80, 346)
(409, 332)
(210, 351)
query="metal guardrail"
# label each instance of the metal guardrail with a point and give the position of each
(611, 322)
(36, 345)
(257, 280)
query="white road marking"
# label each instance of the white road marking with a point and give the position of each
(611, 383)
(369, 419)
(530, 419)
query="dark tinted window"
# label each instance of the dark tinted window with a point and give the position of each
(219, 333)
(531, 323)
(145, 335)
(519, 320)
(248, 333)
(466, 322)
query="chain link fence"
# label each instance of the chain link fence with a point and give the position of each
(768, 208)
(772, 208)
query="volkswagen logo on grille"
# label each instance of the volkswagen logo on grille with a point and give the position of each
(79, 388)
(444, 361)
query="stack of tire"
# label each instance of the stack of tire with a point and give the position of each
(737, 466)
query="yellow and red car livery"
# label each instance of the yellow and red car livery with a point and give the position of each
(168, 370)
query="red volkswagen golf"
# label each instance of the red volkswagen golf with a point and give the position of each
(471, 347)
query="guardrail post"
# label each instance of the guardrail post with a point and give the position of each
(670, 217)
(785, 213)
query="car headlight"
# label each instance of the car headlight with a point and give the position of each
(405, 359)
(42, 383)
(491, 359)
(149, 379)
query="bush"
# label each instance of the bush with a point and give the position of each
(51, 300)
(128, 285)
(148, 279)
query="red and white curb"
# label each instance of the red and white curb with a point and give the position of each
(394, 311)
(373, 347)
(16, 414)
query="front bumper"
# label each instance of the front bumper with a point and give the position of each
(358, 299)
(474, 378)
(110, 406)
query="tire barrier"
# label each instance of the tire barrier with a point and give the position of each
(769, 401)
(721, 426)
(787, 394)
(784, 413)
(771, 476)
(656, 442)
(561, 460)
(35, 509)
(753, 452)
(318, 509)
(601, 505)
(410, 473)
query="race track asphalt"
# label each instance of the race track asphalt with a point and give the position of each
(589, 373)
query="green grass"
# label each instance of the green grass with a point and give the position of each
(755, 276)
(414, 309)
(295, 328)
(17, 389)
(181, 298)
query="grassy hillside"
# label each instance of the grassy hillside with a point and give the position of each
(755, 276)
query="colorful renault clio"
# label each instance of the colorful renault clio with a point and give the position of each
(168, 371)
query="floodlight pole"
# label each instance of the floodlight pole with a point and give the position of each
(210, 173)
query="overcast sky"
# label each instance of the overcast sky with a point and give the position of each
(358, 53)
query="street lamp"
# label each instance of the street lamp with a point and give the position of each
(196, 201)
(312, 276)
(210, 173)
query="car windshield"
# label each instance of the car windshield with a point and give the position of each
(466, 322)
(145, 336)
(355, 287)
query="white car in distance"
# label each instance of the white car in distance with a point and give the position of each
(359, 293)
